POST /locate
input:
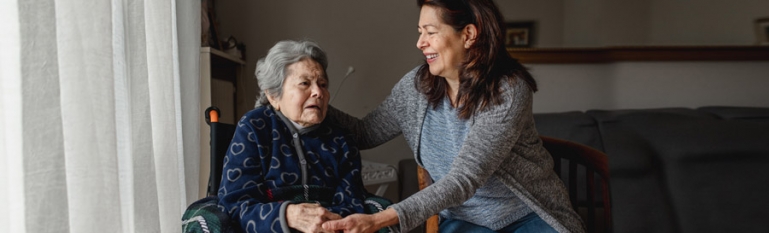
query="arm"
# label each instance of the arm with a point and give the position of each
(350, 192)
(380, 125)
(488, 144)
(239, 191)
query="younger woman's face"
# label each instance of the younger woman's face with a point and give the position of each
(442, 46)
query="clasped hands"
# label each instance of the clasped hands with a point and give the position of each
(314, 218)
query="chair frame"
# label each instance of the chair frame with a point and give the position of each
(595, 163)
(219, 147)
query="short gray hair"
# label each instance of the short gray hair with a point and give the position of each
(271, 70)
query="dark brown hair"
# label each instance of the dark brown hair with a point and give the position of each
(487, 63)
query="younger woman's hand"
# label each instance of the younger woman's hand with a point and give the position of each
(363, 223)
(307, 217)
(355, 223)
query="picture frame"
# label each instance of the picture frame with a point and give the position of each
(520, 34)
(762, 31)
(210, 35)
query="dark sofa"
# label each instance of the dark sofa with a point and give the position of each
(673, 169)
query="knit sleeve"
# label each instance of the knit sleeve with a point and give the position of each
(488, 143)
(382, 124)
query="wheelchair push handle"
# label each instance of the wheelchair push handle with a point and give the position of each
(212, 115)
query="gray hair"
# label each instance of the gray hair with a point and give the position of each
(271, 70)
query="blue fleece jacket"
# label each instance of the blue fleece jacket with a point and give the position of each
(270, 164)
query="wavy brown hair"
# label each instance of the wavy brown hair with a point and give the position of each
(487, 63)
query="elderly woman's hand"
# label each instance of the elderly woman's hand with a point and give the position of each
(308, 217)
(363, 223)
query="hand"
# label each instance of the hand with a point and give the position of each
(355, 223)
(364, 223)
(307, 217)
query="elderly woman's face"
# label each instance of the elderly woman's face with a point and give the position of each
(305, 93)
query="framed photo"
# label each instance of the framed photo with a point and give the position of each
(762, 31)
(209, 25)
(519, 34)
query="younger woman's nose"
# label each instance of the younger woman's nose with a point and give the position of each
(421, 43)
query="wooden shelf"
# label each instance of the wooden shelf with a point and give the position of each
(220, 76)
(222, 54)
(639, 53)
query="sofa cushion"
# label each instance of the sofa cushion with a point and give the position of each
(641, 202)
(716, 172)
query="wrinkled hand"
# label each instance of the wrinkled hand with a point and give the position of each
(355, 223)
(307, 217)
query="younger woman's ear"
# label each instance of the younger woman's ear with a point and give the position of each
(469, 34)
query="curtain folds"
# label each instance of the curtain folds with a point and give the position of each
(100, 120)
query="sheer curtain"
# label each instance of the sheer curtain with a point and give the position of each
(99, 114)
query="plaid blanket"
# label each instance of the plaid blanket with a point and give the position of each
(375, 204)
(204, 216)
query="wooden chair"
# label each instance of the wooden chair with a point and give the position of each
(583, 169)
(569, 159)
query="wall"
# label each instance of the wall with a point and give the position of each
(378, 38)
(625, 85)
(709, 22)
(590, 23)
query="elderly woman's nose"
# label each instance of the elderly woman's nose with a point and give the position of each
(317, 91)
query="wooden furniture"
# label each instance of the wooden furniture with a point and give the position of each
(639, 53)
(588, 191)
(220, 74)
(431, 226)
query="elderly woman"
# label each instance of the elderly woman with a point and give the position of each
(286, 169)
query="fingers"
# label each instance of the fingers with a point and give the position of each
(308, 217)
(336, 225)
(331, 216)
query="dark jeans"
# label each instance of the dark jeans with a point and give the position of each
(529, 223)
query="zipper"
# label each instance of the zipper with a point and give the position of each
(303, 165)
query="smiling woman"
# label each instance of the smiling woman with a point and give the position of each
(469, 122)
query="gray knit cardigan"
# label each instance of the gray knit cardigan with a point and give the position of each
(502, 142)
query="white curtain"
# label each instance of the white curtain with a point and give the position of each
(99, 114)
